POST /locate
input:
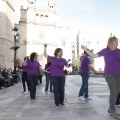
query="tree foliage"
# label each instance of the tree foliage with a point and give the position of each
(15, 47)
(76, 63)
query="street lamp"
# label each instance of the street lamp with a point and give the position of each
(17, 38)
(14, 30)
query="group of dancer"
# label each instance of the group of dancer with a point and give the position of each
(55, 70)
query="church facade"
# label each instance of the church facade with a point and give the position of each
(41, 25)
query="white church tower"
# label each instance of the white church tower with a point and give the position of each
(31, 10)
(31, 3)
(51, 5)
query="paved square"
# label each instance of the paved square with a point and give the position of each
(16, 106)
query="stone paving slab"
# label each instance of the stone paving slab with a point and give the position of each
(85, 112)
(7, 118)
(9, 113)
(31, 118)
(33, 113)
(61, 118)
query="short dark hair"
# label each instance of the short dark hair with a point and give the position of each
(32, 56)
(26, 57)
(57, 51)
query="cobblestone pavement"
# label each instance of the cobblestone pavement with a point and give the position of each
(16, 106)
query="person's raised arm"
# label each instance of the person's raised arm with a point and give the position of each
(25, 62)
(89, 53)
(45, 50)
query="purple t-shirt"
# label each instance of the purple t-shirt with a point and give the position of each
(25, 68)
(112, 60)
(84, 69)
(33, 67)
(57, 66)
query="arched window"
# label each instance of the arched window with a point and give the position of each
(37, 14)
(42, 15)
(46, 16)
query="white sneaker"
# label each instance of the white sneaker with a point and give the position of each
(81, 98)
(57, 106)
(32, 100)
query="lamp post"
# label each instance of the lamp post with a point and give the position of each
(15, 29)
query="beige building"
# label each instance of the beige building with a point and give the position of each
(6, 38)
(41, 25)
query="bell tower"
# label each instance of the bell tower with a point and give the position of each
(51, 5)
(30, 10)
(31, 3)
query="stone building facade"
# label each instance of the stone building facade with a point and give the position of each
(41, 25)
(6, 38)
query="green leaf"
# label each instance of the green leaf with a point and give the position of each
(15, 47)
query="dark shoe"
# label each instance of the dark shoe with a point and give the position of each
(109, 111)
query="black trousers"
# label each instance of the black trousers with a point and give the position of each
(59, 87)
(25, 80)
(40, 78)
(32, 82)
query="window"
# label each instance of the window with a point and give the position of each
(52, 6)
(46, 16)
(42, 15)
(37, 14)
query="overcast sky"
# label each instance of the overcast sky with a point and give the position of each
(100, 14)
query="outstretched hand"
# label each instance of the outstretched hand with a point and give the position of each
(47, 71)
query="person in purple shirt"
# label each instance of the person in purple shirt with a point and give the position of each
(32, 71)
(84, 72)
(57, 74)
(111, 56)
(24, 76)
